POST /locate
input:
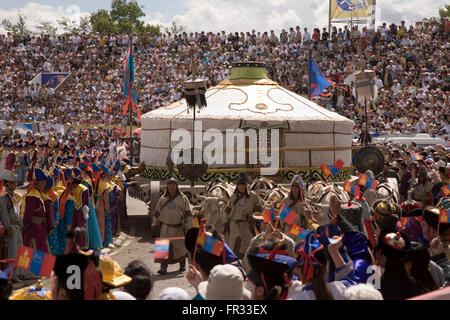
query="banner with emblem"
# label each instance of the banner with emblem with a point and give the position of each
(348, 9)
(55, 80)
(23, 128)
(45, 128)
(38, 262)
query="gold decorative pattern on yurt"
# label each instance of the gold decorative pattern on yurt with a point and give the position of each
(258, 101)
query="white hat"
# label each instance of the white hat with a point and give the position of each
(122, 295)
(225, 282)
(174, 293)
(440, 163)
(8, 175)
(362, 291)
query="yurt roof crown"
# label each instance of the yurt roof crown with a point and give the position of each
(248, 70)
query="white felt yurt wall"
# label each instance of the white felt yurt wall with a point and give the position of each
(261, 103)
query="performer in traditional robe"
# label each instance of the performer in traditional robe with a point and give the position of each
(9, 214)
(120, 180)
(10, 162)
(114, 206)
(239, 216)
(58, 186)
(66, 207)
(34, 152)
(293, 201)
(173, 212)
(93, 231)
(102, 205)
(81, 211)
(22, 165)
(108, 218)
(52, 203)
(3, 154)
(37, 221)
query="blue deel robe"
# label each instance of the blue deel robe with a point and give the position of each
(53, 237)
(93, 231)
(65, 224)
(108, 231)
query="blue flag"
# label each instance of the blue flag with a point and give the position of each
(128, 66)
(128, 83)
(318, 82)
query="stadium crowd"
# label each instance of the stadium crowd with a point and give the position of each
(411, 64)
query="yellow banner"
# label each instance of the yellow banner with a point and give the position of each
(347, 9)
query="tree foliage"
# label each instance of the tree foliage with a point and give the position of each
(175, 29)
(101, 22)
(46, 28)
(445, 12)
(149, 29)
(85, 24)
(125, 17)
(73, 26)
(18, 29)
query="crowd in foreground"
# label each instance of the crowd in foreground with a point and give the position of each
(398, 240)
(73, 187)
(411, 64)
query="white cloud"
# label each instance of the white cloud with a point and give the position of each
(265, 15)
(36, 13)
(243, 15)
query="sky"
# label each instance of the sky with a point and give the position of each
(218, 15)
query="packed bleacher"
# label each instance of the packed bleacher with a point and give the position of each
(411, 63)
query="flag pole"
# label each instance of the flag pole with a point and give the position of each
(374, 4)
(200, 229)
(439, 222)
(329, 20)
(130, 112)
(301, 190)
(367, 123)
(276, 222)
(309, 74)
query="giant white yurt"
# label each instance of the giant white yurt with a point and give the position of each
(309, 135)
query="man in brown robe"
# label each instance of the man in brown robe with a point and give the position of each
(239, 216)
(173, 214)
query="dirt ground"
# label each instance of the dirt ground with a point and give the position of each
(139, 245)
